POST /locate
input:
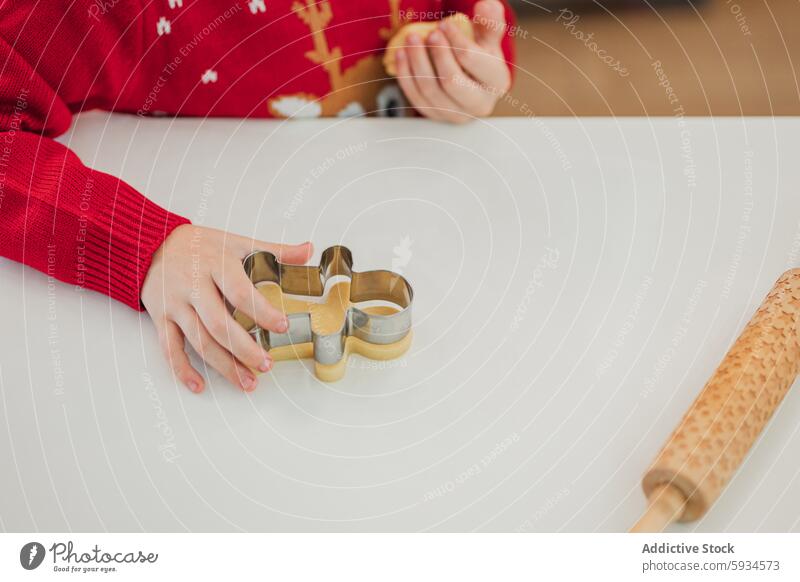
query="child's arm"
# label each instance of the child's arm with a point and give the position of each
(93, 230)
(81, 226)
(449, 77)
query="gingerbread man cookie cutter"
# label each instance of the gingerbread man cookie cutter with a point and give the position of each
(310, 281)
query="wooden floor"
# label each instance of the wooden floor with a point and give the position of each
(722, 58)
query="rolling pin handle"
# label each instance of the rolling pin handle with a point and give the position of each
(665, 506)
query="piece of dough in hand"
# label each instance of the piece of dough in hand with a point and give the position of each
(423, 29)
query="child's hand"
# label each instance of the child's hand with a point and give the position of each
(192, 274)
(457, 79)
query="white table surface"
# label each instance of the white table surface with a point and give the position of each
(577, 281)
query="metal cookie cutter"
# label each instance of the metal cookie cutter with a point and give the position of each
(263, 267)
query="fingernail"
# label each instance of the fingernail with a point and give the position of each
(401, 56)
(445, 26)
(249, 383)
(414, 39)
(193, 386)
(265, 365)
(435, 36)
(282, 325)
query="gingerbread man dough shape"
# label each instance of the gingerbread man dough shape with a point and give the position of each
(331, 330)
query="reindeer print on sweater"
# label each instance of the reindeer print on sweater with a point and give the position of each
(360, 89)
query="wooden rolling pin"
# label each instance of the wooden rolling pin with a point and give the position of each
(727, 417)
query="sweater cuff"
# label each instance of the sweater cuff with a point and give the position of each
(119, 244)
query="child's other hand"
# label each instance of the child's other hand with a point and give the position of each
(192, 274)
(454, 78)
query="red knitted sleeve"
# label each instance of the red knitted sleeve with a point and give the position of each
(56, 215)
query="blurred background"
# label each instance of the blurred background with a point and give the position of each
(651, 57)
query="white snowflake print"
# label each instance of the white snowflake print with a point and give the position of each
(210, 76)
(175, 4)
(163, 26)
(352, 109)
(297, 107)
(257, 6)
(402, 254)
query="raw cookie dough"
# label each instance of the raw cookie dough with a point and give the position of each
(327, 317)
(423, 29)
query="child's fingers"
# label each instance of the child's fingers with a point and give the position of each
(487, 67)
(427, 81)
(214, 354)
(424, 76)
(240, 292)
(406, 81)
(289, 254)
(294, 254)
(490, 21)
(172, 345)
(227, 333)
(458, 86)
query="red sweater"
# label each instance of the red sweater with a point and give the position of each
(242, 58)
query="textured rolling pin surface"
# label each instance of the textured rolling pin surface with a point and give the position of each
(726, 418)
